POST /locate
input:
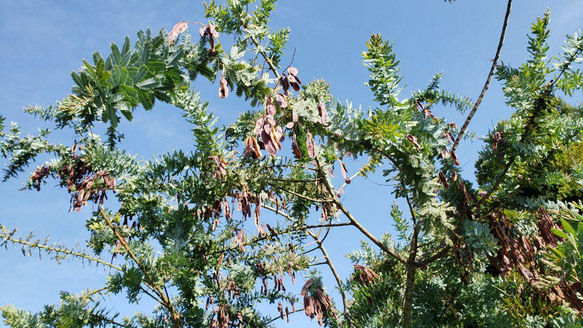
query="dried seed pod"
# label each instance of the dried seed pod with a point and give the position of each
(283, 80)
(413, 140)
(209, 31)
(269, 106)
(280, 310)
(293, 78)
(344, 171)
(445, 154)
(455, 159)
(323, 113)
(252, 148)
(281, 100)
(223, 88)
(306, 286)
(310, 145)
(176, 30)
(443, 179)
(295, 147)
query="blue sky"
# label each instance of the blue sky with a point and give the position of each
(42, 41)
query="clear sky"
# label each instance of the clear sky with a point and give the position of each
(42, 41)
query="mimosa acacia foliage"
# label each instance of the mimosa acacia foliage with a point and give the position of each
(219, 234)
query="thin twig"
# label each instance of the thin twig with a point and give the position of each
(413, 216)
(411, 268)
(152, 296)
(316, 200)
(329, 225)
(434, 257)
(295, 180)
(490, 75)
(426, 244)
(310, 250)
(323, 250)
(263, 54)
(108, 320)
(155, 289)
(332, 268)
(327, 232)
(90, 294)
(498, 181)
(176, 321)
(62, 251)
(279, 317)
(292, 60)
(352, 177)
(353, 220)
(278, 232)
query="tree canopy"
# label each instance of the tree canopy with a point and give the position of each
(232, 231)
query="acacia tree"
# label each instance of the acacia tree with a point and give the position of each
(503, 251)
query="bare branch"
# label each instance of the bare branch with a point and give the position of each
(295, 180)
(303, 196)
(411, 268)
(352, 177)
(488, 80)
(322, 249)
(413, 216)
(353, 220)
(442, 252)
(332, 268)
(279, 317)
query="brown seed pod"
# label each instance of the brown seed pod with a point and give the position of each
(223, 88)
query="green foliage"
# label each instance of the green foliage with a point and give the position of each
(539, 132)
(384, 70)
(477, 235)
(401, 224)
(73, 312)
(566, 259)
(376, 303)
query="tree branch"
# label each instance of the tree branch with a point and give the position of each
(413, 216)
(315, 200)
(324, 252)
(353, 220)
(546, 91)
(352, 178)
(279, 317)
(295, 180)
(330, 225)
(411, 268)
(434, 257)
(263, 54)
(176, 320)
(278, 232)
(60, 250)
(333, 269)
(488, 80)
